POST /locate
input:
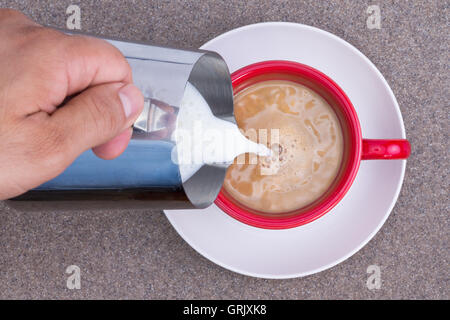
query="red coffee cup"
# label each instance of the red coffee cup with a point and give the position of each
(355, 147)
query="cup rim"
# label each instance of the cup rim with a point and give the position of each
(349, 172)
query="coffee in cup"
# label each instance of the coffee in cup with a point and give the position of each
(309, 149)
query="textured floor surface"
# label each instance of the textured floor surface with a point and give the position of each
(137, 254)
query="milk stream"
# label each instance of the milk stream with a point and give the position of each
(201, 138)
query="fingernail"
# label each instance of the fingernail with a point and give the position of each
(131, 98)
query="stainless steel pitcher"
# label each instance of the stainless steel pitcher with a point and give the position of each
(144, 175)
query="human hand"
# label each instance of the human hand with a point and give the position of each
(40, 69)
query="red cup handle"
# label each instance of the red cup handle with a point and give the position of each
(385, 149)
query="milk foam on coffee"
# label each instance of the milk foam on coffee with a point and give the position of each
(310, 147)
(201, 138)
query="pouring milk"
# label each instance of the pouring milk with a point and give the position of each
(201, 138)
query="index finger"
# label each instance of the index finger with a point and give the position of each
(90, 61)
(54, 65)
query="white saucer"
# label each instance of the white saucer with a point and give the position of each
(356, 219)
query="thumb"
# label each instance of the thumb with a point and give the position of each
(98, 114)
